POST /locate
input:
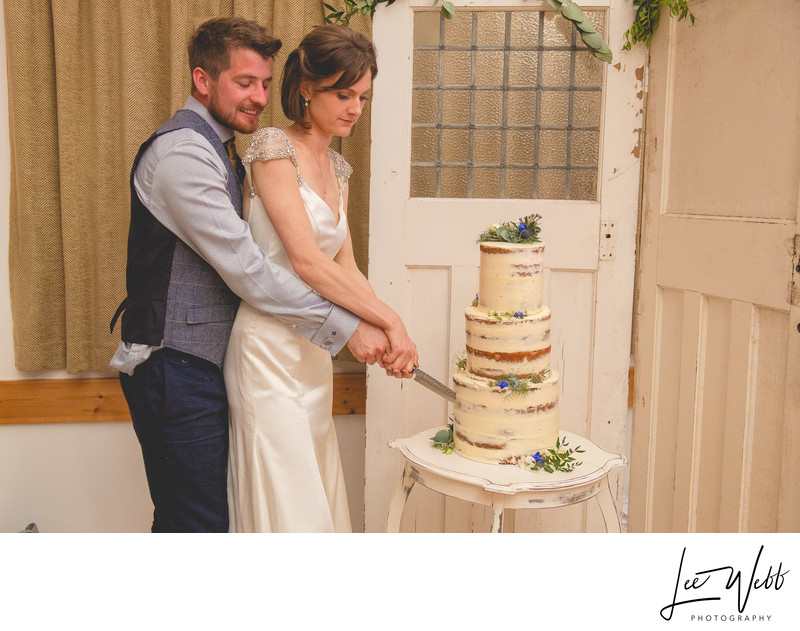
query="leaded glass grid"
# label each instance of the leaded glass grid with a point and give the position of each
(506, 104)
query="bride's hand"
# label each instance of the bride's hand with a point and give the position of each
(401, 356)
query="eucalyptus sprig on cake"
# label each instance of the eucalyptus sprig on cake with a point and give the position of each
(514, 386)
(524, 230)
(443, 440)
(508, 315)
(550, 460)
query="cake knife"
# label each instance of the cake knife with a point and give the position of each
(424, 379)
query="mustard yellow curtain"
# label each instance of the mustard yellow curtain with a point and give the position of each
(88, 82)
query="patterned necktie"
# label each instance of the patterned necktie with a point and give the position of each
(238, 167)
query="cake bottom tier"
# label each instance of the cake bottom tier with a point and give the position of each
(499, 426)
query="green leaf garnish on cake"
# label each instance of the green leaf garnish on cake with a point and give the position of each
(551, 460)
(524, 230)
(513, 385)
(443, 440)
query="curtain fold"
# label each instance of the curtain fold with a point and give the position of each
(88, 82)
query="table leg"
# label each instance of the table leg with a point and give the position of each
(606, 503)
(399, 500)
(498, 506)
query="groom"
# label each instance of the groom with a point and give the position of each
(191, 258)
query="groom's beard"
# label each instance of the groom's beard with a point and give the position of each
(230, 119)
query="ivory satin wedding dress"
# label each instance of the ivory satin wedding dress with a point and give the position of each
(284, 468)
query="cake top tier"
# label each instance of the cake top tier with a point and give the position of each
(510, 278)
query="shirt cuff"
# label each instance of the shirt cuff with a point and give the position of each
(337, 329)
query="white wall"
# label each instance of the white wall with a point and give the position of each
(89, 477)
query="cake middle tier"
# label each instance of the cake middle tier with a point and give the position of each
(499, 345)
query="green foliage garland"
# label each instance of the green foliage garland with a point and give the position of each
(644, 25)
(648, 15)
(367, 7)
(572, 12)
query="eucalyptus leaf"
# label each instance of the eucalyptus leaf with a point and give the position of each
(442, 436)
(593, 40)
(607, 56)
(556, 4)
(586, 26)
(573, 12)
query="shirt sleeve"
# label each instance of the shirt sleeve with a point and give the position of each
(183, 182)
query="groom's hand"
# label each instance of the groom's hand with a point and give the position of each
(368, 343)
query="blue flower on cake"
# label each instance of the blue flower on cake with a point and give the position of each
(502, 385)
(558, 459)
(519, 314)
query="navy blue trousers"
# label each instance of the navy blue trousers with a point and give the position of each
(180, 415)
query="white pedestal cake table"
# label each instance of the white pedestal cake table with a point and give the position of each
(505, 486)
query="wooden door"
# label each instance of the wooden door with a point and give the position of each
(423, 255)
(715, 442)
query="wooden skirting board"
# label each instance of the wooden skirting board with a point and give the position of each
(99, 400)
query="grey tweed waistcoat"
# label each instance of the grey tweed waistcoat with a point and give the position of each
(175, 298)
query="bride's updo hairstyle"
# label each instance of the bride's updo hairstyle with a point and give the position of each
(325, 52)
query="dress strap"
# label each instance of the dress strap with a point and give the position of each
(342, 168)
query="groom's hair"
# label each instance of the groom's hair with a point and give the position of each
(211, 45)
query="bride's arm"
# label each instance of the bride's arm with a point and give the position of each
(275, 181)
(346, 259)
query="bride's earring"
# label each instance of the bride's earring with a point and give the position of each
(306, 102)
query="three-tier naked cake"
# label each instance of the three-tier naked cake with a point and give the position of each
(507, 395)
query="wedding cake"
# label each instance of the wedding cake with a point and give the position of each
(506, 393)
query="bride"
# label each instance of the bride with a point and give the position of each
(285, 473)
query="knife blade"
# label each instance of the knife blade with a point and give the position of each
(424, 379)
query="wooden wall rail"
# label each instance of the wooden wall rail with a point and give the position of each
(27, 401)
(97, 400)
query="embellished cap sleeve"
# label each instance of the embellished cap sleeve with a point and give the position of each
(271, 143)
(343, 169)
